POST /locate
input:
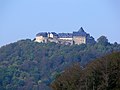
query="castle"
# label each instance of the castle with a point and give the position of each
(79, 37)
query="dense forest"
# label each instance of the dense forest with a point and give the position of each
(100, 74)
(28, 65)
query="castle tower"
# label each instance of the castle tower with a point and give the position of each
(79, 37)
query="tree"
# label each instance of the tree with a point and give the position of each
(102, 40)
(69, 79)
(100, 74)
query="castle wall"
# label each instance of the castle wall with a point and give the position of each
(53, 40)
(66, 38)
(79, 40)
(41, 39)
(66, 42)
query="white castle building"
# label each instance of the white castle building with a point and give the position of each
(79, 37)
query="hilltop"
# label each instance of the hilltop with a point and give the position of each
(31, 65)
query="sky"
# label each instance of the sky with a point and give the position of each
(23, 19)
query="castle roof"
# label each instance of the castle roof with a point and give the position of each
(65, 35)
(44, 34)
(81, 30)
(55, 34)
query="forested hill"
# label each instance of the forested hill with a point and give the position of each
(100, 74)
(33, 66)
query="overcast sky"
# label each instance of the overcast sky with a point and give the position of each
(21, 19)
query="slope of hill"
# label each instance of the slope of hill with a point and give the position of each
(100, 74)
(33, 66)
